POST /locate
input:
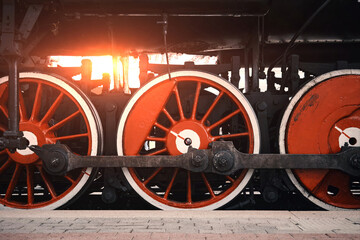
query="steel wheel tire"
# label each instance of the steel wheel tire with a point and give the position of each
(340, 90)
(47, 127)
(172, 144)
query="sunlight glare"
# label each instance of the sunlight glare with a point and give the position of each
(100, 64)
(104, 64)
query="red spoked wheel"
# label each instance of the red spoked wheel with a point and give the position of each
(51, 111)
(166, 117)
(321, 118)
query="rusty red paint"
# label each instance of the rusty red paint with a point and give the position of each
(313, 101)
(311, 130)
(145, 115)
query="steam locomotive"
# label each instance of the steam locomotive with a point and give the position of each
(191, 136)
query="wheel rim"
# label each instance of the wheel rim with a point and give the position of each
(24, 183)
(163, 115)
(321, 118)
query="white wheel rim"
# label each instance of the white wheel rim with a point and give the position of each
(223, 83)
(92, 118)
(284, 123)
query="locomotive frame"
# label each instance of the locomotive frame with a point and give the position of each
(257, 114)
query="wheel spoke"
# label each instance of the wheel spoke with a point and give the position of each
(221, 121)
(189, 200)
(152, 175)
(6, 165)
(233, 135)
(4, 110)
(178, 101)
(168, 189)
(161, 127)
(171, 119)
(30, 184)
(13, 182)
(69, 178)
(178, 120)
(230, 178)
(52, 109)
(2, 128)
(157, 152)
(25, 183)
(22, 108)
(63, 122)
(69, 137)
(4, 93)
(196, 100)
(211, 108)
(37, 103)
(156, 139)
(47, 182)
(208, 185)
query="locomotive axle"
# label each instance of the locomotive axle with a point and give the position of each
(222, 158)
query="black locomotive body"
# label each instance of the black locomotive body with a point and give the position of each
(276, 115)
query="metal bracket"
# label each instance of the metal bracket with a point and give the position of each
(9, 44)
(222, 158)
(31, 16)
(13, 143)
(11, 50)
(294, 73)
(165, 23)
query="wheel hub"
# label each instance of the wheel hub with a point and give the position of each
(188, 141)
(345, 133)
(185, 114)
(349, 137)
(22, 171)
(31, 137)
(322, 118)
(185, 134)
(36, 136)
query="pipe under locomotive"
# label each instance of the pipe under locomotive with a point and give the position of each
(190, 137)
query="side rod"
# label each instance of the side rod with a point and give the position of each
(222, 158)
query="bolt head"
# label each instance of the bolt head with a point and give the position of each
(55, 162)
(223, 161)
(187, 141)
(197, 160)
(355, 161)
(262, 106)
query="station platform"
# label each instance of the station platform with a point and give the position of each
(186, 225)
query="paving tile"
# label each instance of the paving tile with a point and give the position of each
(243, 236)
(182, 225)
(141, 236)
(346, 231)
(124, 236)
(276, 236)
(310, 236)
(115, 230)
(158, 236)
(81, 230)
